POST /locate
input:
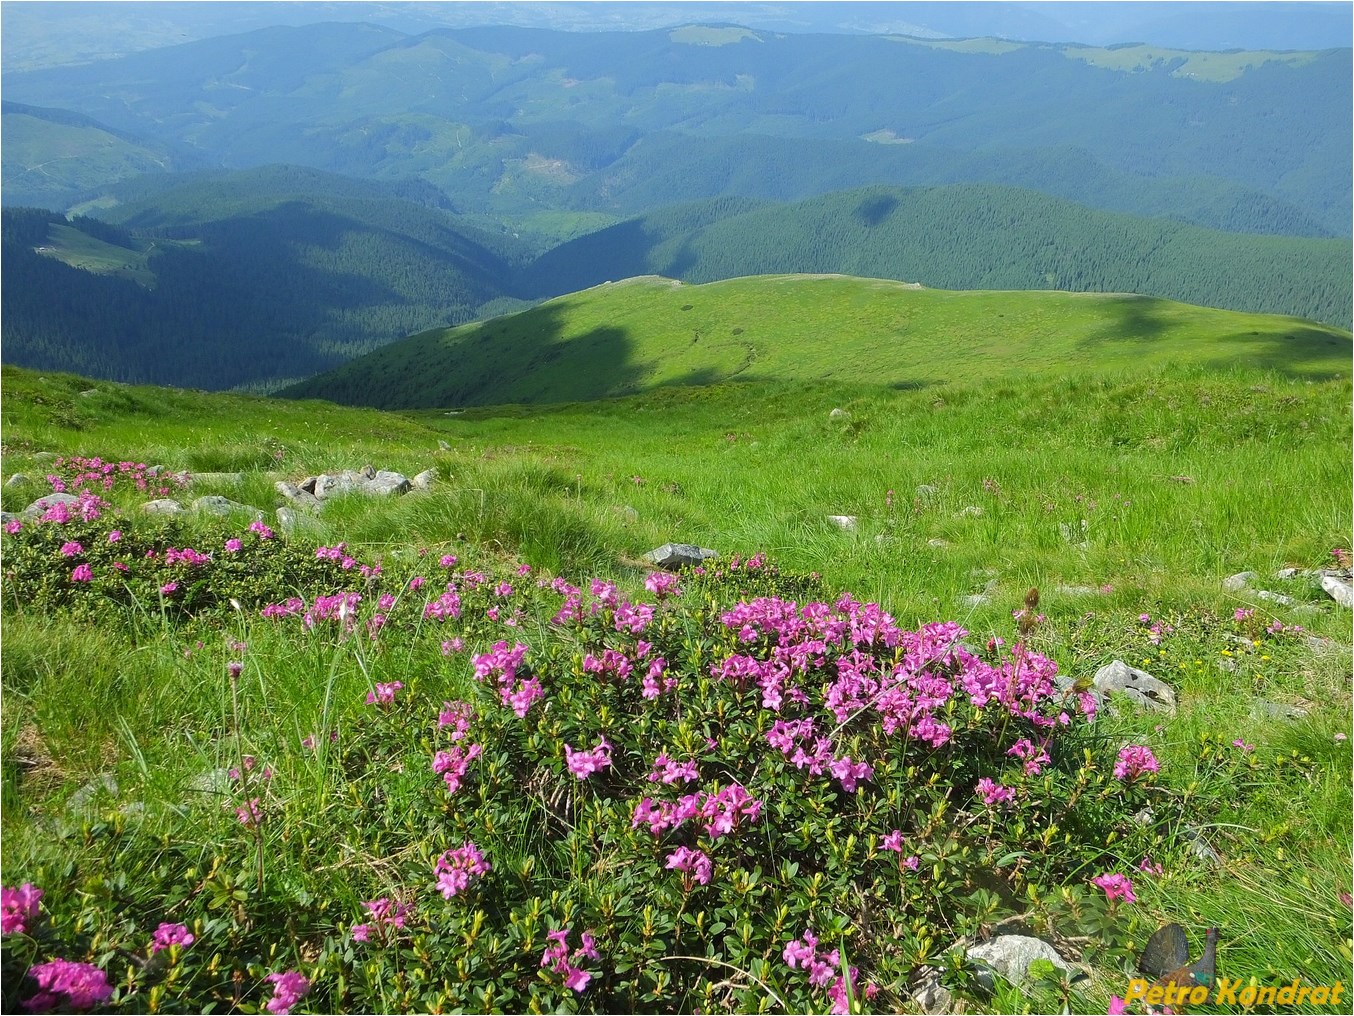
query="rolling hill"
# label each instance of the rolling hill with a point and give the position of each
(627, 337)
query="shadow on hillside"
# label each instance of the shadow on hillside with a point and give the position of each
(1300, 352)
(1133, 319)
(531, 358)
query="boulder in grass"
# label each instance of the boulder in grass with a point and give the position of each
(424, 480)
(385, 483)
(17, 480)
(847, 522)
(215, 504)
(1011, 956)
(1239, 581)
(679, 555)
(163, 506)
(1140, 687)
(48, 501)
(1341, 590)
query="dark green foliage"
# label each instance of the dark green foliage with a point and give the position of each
(966, 237)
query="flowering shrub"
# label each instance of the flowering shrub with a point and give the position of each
(696, 779)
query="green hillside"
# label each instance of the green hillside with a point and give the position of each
(514, 120)
(51, 155)
(645, 333)
(964, 237)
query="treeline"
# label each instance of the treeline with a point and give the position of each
(968, 237)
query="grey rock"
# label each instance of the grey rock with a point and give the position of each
(679, 555)
(1143, 816)
(972, 511)
(88, 392)
(843, 521)
(1340, 590)
(930, 996)
(937, 542)
(1239, 581)
(1140, 687)
(163, 506)
(1337, 573)
(386, 483)
(838, 414)
(10, 516)
(424, 480)
(301, 498)
(86, 796)
(442, 446)
(976, 600)
(215, 504)
(223, 479)
(44, 456)
(47, 501)
(16, 479)
(1198, 846)
(926, 491)
(1011, 955)
(627, 513)
(1285, 574)
(293, 523)
(1076, 590)
(1279, 598)
(213, 781)
(1276, 710)
(1227, 665)
(368, 472)
(308, 484)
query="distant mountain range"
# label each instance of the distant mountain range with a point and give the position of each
(521, 124)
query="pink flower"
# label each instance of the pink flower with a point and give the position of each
(82, 573)
(1134, 760)
(994, 794)
(584, 763)
(288, 989)
(64, 985)
(557, 958)
(448, 561)
(233, 544)
(1117, 887)
(171, 934)
(250, 814)
(168, 588)
(662, 584)
(1239, 743)
(695, 862)
(70, 548)
(455, 868)
(18, 908)
(384, 694)
(1147, 866)
(893, 841)
(264, 532)
(13, 527)
(1117, 1006)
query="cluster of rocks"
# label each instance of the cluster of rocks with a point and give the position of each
(674, 556)
(313, 490)
(1338, 584)
(309, 494)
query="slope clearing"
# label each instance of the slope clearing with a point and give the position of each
(647, 333)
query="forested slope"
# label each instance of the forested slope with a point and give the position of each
(964, 237)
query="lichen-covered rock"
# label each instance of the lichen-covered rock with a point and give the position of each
(1140, 687)
(679, 555)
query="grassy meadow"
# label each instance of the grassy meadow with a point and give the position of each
(1125, 493)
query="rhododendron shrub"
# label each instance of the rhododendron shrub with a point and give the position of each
(593, 796)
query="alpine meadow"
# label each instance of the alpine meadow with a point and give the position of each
(686, 507)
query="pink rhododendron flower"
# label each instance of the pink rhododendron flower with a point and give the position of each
(455, 869)
(452, 765)
(18, 908)
(288, 989)
(1134, 760)
(1117, 887)
(584, 763)
(82, 573)
(70, 548)
(171, 934)
(233, 544)
(994, 794)
(384, 693)
(694, 862)
(1239, 743)
(64, 986)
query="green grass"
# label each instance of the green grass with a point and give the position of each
(80, 250)
(1183, 474)
(648, 333)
